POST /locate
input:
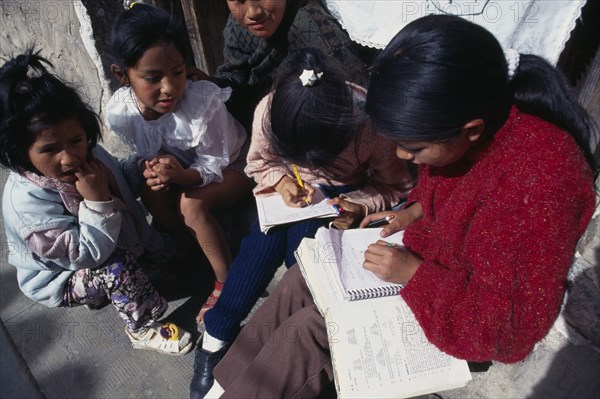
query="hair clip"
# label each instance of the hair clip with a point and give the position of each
(512, 59)
(309, 77)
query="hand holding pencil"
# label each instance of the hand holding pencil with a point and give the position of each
(293, 195)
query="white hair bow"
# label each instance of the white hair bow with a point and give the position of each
(309, 77)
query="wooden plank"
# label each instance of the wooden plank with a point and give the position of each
(189, 13)
(205, 20)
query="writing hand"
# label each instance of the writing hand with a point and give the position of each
(293, 195)
(391, 262)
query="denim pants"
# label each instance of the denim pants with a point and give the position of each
(253, 268)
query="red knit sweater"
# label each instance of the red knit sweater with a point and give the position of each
(497, 238)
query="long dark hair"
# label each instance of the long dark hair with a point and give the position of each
(141, 27)
(312, 124)
(31, 100)
(440, 72)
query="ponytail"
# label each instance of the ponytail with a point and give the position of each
(313, 115)
(440, 72)
(33, 99)
(541, 90)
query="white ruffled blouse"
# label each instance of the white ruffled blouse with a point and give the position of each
(201, 133)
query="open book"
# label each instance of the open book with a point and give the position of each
(378, 348)
(273, 211)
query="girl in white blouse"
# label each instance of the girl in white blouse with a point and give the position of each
(189, 150)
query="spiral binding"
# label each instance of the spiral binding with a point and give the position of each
(376, 292)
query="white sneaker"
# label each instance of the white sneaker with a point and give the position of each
(166, 338)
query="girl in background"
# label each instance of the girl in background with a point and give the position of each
(264, 36)
(67, 207)
(190, 150)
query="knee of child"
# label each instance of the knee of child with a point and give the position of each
(292, 282)
(307, 326)
(194, 209)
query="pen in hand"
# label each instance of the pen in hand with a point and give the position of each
(337, 208)
(380, 222)
(299, 180)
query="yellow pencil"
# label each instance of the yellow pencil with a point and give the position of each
(299, 180)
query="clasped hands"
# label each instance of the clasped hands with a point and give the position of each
(164, 170)
(160, 171)
(393, 263)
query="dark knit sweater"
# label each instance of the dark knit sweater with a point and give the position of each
(250, 62)
(497, 238)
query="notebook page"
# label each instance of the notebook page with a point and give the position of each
(273, 209)
(349, 248)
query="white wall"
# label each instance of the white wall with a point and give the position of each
(56, 28)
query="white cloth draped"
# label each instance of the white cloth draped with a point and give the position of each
(540, 27)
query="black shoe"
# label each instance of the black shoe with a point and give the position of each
(204, 364)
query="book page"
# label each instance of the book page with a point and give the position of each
(347, 249)
(381, 350)
(273, 211)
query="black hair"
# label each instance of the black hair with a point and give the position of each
(440, 72)
(141, 27)
(31, 100)
(312, 124)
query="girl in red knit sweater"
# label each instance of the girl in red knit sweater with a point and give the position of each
(505, 190)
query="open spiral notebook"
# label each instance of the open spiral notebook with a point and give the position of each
(346, 249)
(272, 210)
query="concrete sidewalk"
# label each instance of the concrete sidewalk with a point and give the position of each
(81, 353)
(15, 379)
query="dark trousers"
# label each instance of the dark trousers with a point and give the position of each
(251, 271)
(282, 352)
